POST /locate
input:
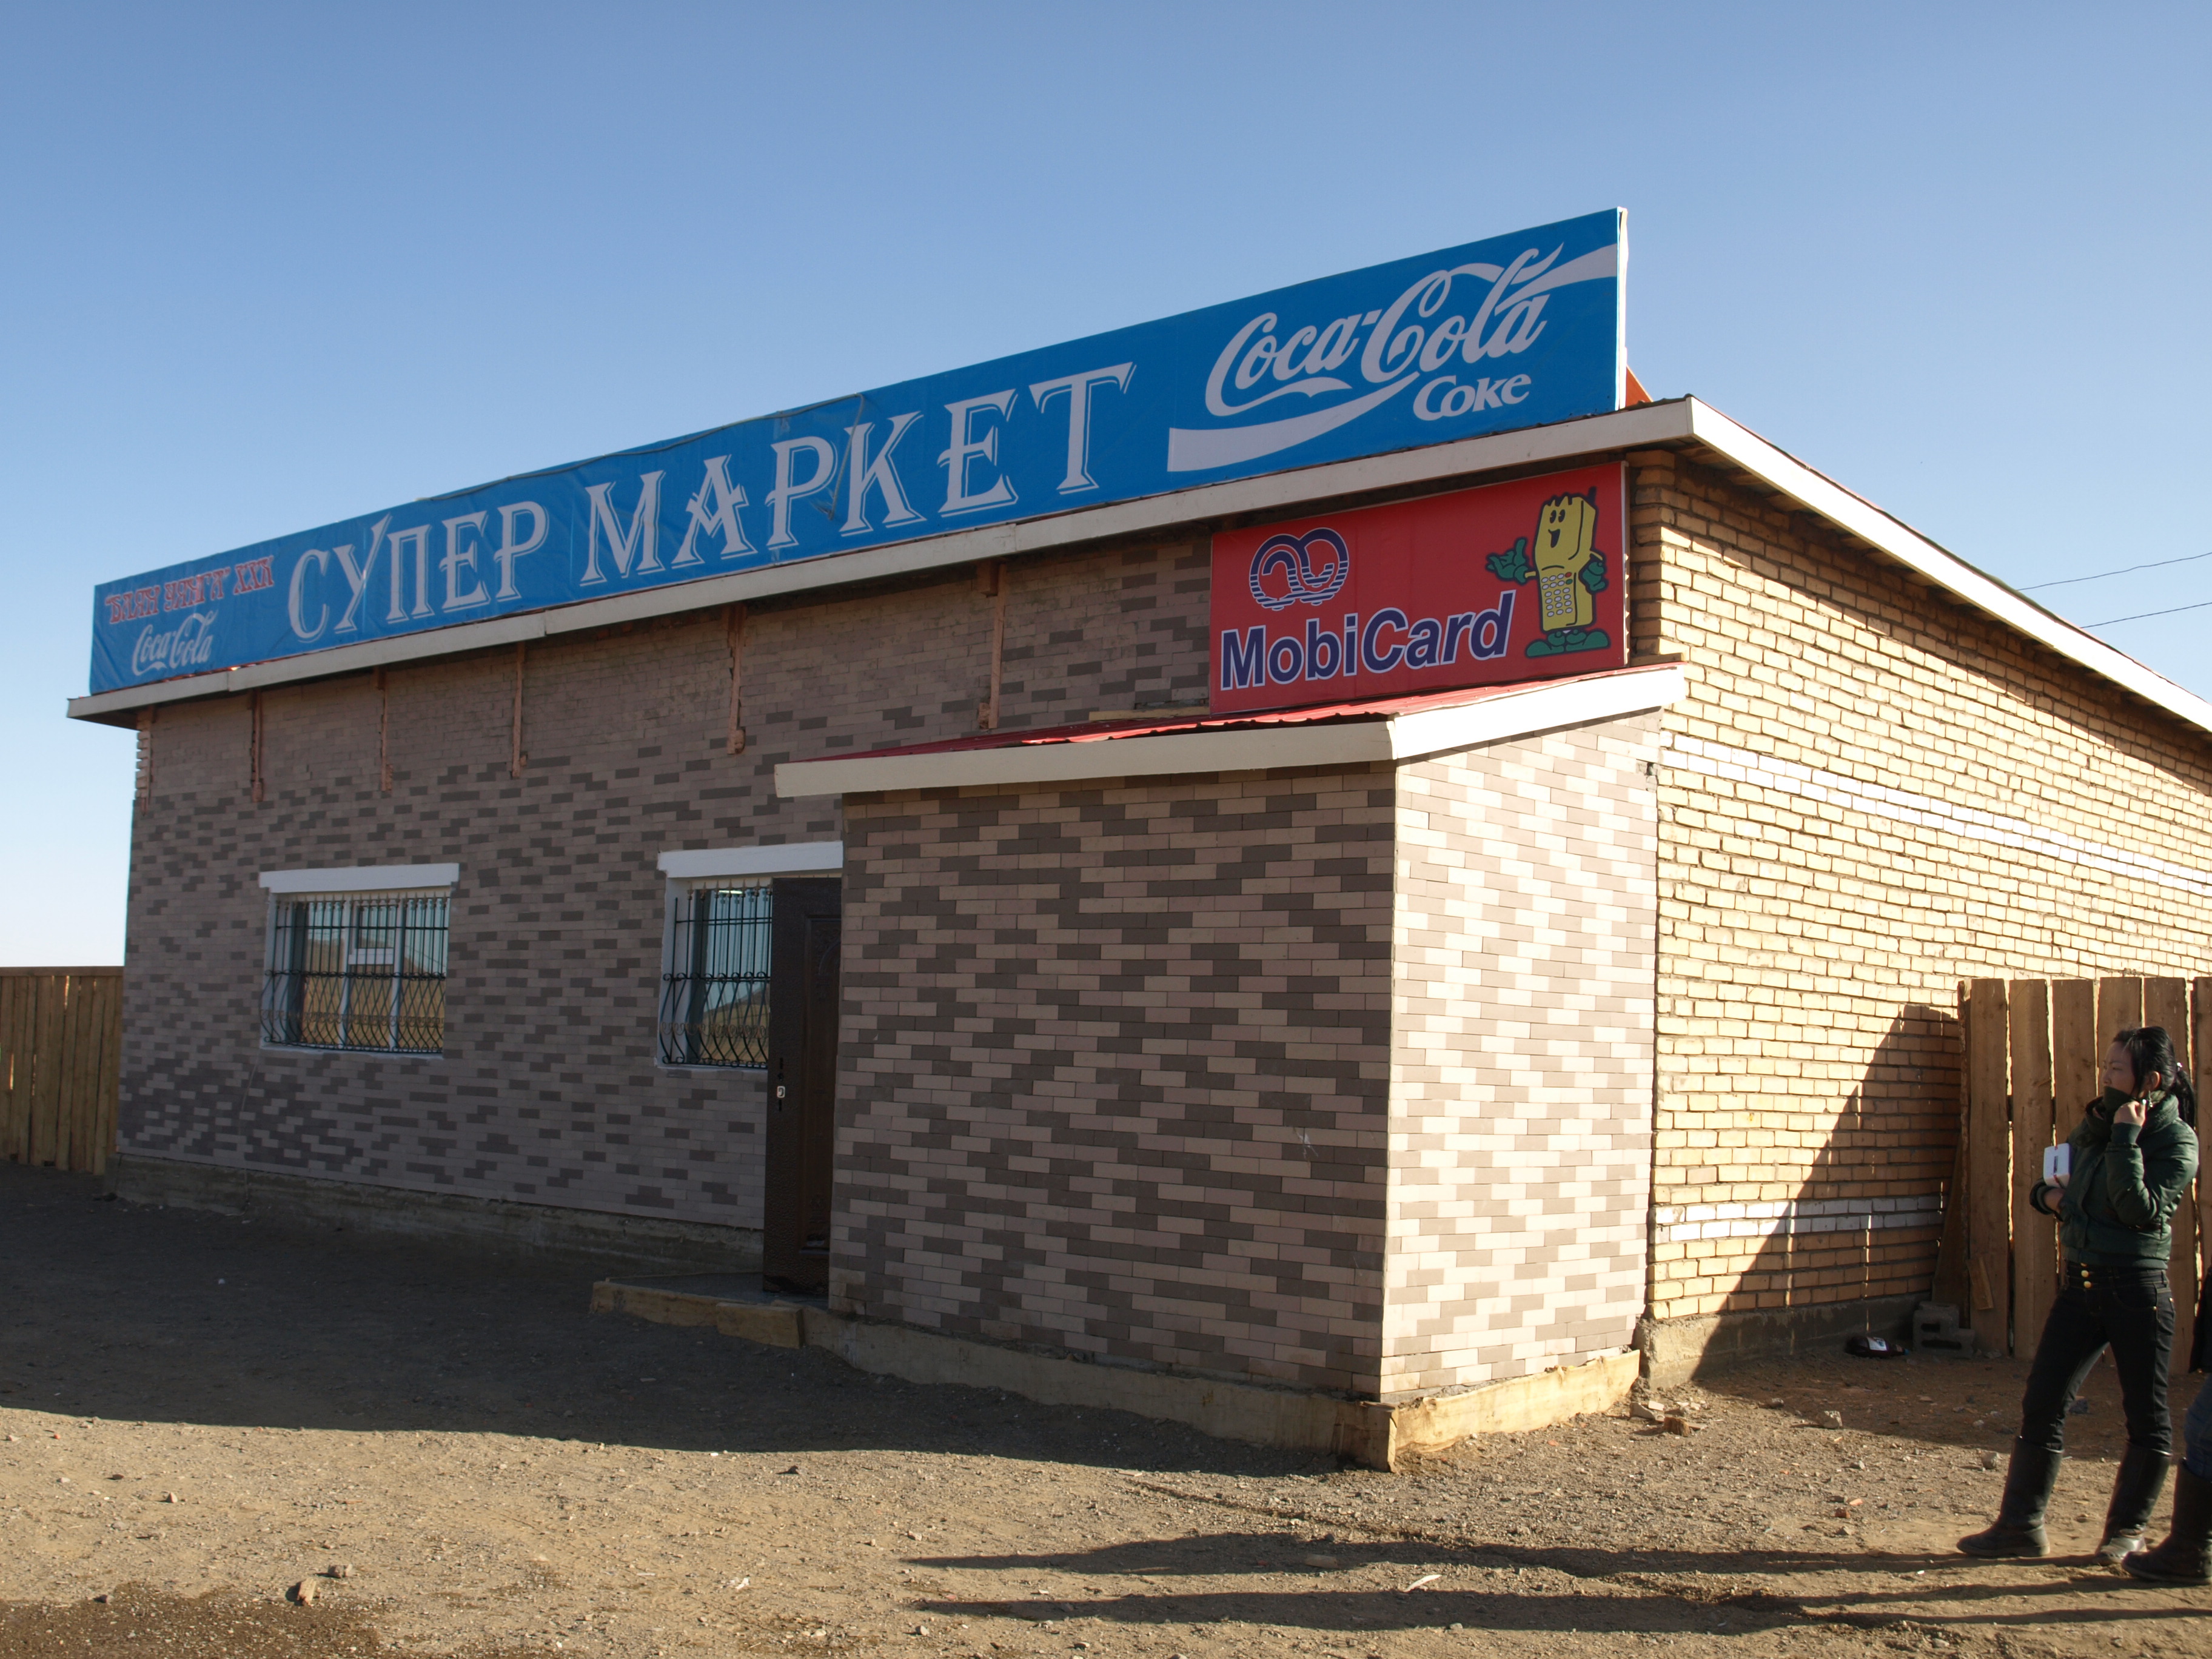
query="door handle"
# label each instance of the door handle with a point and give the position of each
(779, 1091)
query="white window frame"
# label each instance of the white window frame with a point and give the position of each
(381, 883)
(801, 858)
(364, 879)
(689, 869)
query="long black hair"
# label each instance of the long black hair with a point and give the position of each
(2150, 1049)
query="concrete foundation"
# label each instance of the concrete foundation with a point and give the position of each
(1381, 1436)
(1678, 1351)
(592, 1240)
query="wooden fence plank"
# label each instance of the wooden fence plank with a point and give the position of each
(2035, 1236)
(1988, 1169)
(1950, 1286)
(46, 1072)
(2119, 1007)
(54, 1063)
(109, 1072)
(64, 1084)
(2166, 1002)
(2076, 1056)
(25, 1065)
(95, 1062)
(78, 1056)
(15, 1070)
(84, 1065)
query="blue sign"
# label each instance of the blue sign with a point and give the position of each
(1517, 331)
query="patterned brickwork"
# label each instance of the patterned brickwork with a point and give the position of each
(1521, 1065)
(1871, 794)
(1131, 1070)
(1116, 1069)
(548, 1090)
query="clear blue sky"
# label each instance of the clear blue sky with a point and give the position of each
(269, 266)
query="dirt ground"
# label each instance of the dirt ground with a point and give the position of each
(200, 1413)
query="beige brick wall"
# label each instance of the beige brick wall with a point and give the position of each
(1521, 1056)
(1870, 793)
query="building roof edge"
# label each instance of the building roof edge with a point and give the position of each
(1860, 518)
(1673, 423)
(1381, 729)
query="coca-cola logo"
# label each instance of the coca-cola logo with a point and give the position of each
(1292, 559)
(1434, 333)
(190, 644)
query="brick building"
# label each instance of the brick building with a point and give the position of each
(1379, 1048)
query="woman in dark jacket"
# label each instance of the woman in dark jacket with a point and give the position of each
(2133, 1158)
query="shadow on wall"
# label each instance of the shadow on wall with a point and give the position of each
(1854, 1246)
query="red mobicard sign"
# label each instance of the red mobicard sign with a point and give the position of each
(1513, 581)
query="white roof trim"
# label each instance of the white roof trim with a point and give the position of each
(362, 878)
(1946, 569)
(1539, 708)
(791, 859)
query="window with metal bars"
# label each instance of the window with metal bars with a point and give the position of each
(358, 970)
(713, 989)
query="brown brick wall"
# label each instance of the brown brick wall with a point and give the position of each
(1870, 793)
(548, 1090)
(1867, 796)
(1337, 1079)
(1116, 1067)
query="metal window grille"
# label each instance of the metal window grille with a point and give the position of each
(358, 971)
(714, 994)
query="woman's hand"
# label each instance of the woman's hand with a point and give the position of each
(2133, 1112)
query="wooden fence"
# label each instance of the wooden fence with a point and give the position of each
(61, 1048)
(2035, 1054)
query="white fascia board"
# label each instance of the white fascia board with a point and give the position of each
(1258, 748)
(1252, 749)
(362, 878)
(1540, 709)
(792, 859)
(1629, 429)
(1860, 517)
(342, 659)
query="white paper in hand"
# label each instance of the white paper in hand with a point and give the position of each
(2057, 1162)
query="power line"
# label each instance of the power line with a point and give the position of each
(2142, 615)
(2159, 564)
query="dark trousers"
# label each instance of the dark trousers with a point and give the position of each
(2129, 1310)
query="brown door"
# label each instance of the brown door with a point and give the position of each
(802, 1082)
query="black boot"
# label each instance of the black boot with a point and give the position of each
(2018, 1530)
(2134, 1495)
(2186, 1558)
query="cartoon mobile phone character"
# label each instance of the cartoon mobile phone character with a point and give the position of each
(1569, 571)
